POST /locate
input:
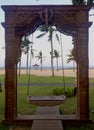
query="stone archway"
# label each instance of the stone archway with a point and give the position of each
(22, 20)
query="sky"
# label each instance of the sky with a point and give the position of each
(43, 44)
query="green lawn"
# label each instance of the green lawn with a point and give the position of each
(69, 107)
(40, 79)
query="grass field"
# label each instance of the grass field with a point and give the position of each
(69, 107)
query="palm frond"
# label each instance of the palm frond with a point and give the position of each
(90, 2)
(49, 37)
(56, 54)
(57, 37)
(70, 59)
(78, 2)
(25, 41)
(42, 28)
(41, 35)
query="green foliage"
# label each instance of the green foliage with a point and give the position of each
(69, 92)
(70, 56)
(60, 91)
(4, 127)
(83, 2)
(2, 78)
(69, 106)
(78, 2)
(2, 98)
(25, 42)
(91, 100)
(56, 54)
(90, 2)
(79, 127)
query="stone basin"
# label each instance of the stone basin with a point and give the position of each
(46, 100)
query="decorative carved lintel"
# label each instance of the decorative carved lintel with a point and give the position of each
(46, 16)
(28, 22)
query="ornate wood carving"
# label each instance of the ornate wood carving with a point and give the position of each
(23, 20)
(48, 14)
(28, 21)
(64, 21)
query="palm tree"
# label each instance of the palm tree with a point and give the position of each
(40, 57)
(62, 61)
(19, 67)
(56, 55)
(83, 2)
(25, 48)
(90, 2)
(29, 72)
(71, 58)
(78, 2)
(50, 31)
(31, 55)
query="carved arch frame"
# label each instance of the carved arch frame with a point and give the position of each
(23, 20)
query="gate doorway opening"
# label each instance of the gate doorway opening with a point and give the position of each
(23, 20)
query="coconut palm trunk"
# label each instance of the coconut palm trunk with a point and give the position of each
(52, 66)
(27, 62)
(19, 67)
(25, 48)
(40, 57)
(56, 55)
(62, 64)
(41, 63)
(57, 63)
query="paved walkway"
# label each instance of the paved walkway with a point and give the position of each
(45, 124)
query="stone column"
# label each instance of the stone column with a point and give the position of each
(82, 73)
(10, 73)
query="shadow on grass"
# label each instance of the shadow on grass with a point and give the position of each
(4, 127)
(87, 127)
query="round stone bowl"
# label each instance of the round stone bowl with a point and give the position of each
(46, 100)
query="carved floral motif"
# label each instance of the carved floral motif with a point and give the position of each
(27, 22)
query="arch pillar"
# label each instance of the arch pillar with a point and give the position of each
(22, 20)
(82, 74)
(11, 72)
